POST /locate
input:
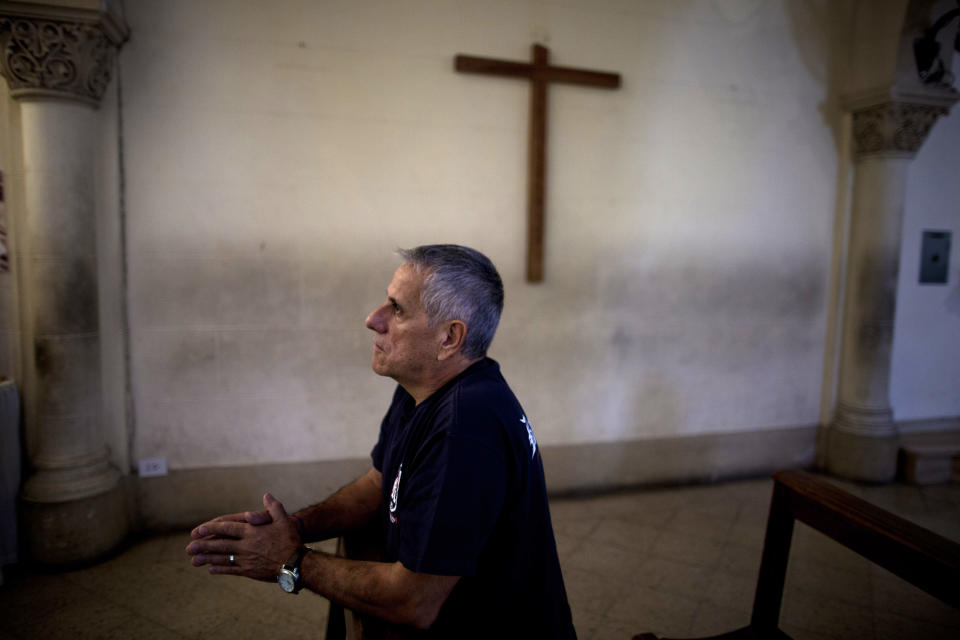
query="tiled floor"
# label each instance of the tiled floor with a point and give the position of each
(678, 562)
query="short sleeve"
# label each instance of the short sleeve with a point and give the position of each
(448, 507)
(376, 454)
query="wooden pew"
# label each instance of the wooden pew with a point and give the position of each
(919, 556)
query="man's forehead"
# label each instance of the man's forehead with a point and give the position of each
(406, 284)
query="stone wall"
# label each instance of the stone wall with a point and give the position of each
(276, 153)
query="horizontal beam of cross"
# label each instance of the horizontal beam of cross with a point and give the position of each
(567, 75)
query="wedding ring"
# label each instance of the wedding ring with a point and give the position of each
(233, 560)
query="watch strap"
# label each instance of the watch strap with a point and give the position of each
(293, 563)
(292, 566)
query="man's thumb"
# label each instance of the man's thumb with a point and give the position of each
(274, 507)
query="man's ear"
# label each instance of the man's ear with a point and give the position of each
(453, 339)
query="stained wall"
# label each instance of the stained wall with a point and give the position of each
(275, 154)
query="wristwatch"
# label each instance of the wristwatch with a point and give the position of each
(289, 578)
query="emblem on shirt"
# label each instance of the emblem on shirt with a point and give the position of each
(393, 495)
(530, 436)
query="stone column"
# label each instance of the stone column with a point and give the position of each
(862, 440)
(57, 62)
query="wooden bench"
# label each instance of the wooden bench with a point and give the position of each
(919, 556)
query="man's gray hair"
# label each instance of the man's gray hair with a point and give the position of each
(460, 284)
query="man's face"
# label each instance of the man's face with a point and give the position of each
(405, 348)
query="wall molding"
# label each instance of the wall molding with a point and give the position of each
(712, 457)
(184, 498)
(928, 425)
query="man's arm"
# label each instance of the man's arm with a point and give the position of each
(388, 591)
(385, 590)
(349, 509)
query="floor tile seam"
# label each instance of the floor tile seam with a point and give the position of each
(747, 604)
(719, 538)
(822, 599)
(579, 540)
(928, 621)
(633, 550)
(750, 576)
(625, 621)
(599, 613)
(816, 635)
(593, 528)
(255, 599)
(590, 549)
(575, 549)
(701, 604)
(307, 620)
(754, 552)
(815, 632)
(728, 535)
(751, 524)
(656, 539)
(604, 612)
(559, 531)
(136, 616)
(160, 623)
(825, 569)
(631, 520)
(696, 565)
(105, 596)
(700, 599)
(686, 529)
(622, 585)
(918, 618)
(656, 517)
(97, 594)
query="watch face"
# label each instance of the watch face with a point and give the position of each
(287, 581)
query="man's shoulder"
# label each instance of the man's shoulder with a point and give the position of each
(485, 409)
(485, 390)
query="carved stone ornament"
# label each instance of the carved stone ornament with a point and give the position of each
(893, 127)
(55, 58)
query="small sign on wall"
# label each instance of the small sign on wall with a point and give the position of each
(934, 257)
(4, 252)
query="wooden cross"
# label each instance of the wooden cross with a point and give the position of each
(539, 72)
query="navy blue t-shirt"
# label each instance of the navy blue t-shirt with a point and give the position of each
(464, 495)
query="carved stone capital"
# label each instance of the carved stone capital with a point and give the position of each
(893, 128)
(43, 57)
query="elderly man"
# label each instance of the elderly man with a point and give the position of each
(456, 489)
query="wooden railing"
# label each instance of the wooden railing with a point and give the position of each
(919, 556)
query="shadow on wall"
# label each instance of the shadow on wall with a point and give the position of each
(821, 35)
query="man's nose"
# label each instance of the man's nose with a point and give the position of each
(375, 320)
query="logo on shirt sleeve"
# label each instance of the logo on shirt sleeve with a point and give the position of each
(393, 495)
(530, 437)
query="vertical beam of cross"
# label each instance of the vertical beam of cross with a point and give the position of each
(540, 73)
(537, 164)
